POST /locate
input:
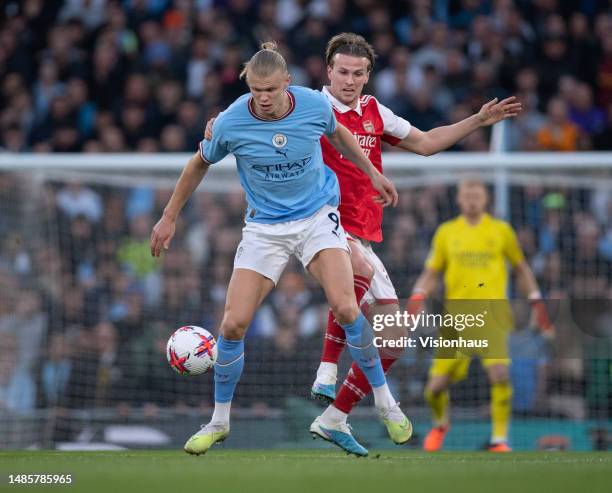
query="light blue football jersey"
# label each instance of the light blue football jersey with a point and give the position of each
(280, 164)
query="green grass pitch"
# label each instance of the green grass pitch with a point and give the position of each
(229, 471)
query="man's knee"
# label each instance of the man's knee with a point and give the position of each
(233, 328)
(345, 311)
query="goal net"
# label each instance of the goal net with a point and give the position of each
(85, 311)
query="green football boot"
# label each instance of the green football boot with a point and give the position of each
(398, 425)
(205, 438)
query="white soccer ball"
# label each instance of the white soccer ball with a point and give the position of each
(191, 350)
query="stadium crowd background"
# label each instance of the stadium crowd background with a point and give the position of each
(144, 75)
(85, 317)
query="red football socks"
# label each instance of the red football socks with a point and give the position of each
(355, 387)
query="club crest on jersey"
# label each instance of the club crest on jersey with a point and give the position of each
(368, 126)
(279, 140)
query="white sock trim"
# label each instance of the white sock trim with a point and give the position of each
(221, 414)
(333, 415)
(383, 397)
(327, 373)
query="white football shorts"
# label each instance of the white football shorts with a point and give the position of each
(381, 288)
(266, 248)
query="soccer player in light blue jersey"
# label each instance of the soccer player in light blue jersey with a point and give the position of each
(292, 199)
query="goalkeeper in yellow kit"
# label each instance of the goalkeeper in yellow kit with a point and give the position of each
(472, 252)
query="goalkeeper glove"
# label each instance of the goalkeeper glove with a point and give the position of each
(415, 303)
(540, 314)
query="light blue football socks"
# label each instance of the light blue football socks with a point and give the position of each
(228, 368)
(359, 339)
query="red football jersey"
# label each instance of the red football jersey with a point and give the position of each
(370, 122)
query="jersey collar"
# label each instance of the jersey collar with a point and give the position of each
(287, 113)
(483, 220)
(340, 106)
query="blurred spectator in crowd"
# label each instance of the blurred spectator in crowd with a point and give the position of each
(173, 139)
(590, 119)
(291, 295)
(604, 70)
(17, 390)
(271, 380)
(96, 379)
(523, 129)
(603, 140)
(55, 371)
(23, 325)
(134, 253)
(181, 301)
(91, 12)
(421, 111)
(189, 118)
(553, 227)
(75, 199)
(13, 254)
(29, 324)
(558, 133)
(528, 373)
(46, 88)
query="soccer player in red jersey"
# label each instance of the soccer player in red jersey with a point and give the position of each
(350, 59)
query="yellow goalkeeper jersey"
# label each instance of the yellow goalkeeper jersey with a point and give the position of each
(474, 258)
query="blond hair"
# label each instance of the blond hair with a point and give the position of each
(471, 181)
(265, 62)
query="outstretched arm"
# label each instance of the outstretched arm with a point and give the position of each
(440, 138)
(190, 178)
